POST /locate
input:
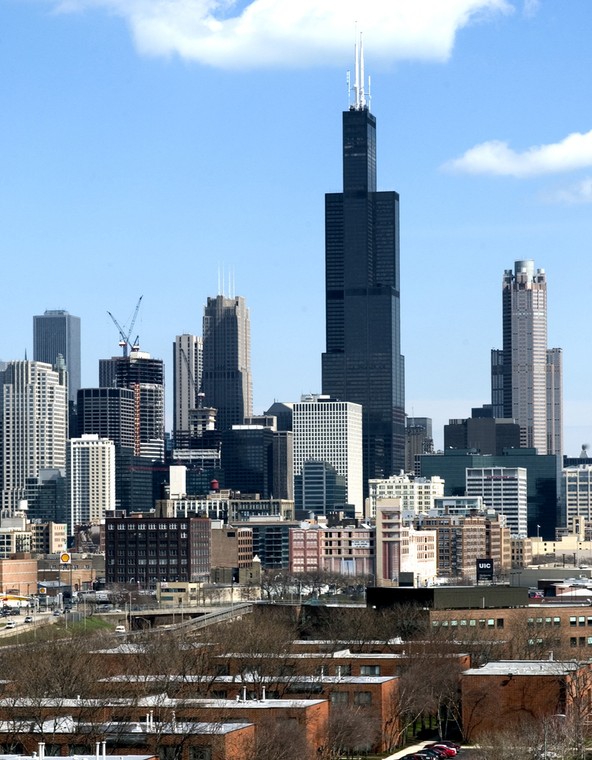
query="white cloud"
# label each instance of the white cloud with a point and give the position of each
(579, 193)
(495, 157)
(238, 34)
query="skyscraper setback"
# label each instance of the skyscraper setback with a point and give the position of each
(526, 376)
(363, 362)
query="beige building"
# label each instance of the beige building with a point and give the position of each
(403, 554)
(416, 494)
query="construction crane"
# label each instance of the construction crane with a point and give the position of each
(124, 338)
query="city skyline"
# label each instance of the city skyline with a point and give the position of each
(482, 131)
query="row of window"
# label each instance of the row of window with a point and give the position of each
(471, 623)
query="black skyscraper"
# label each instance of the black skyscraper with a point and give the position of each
(58, 332)
(363, 361)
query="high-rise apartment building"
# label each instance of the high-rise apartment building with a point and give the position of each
(33, 425)
(504, 490)
(416, 494)
(187, 372)
(91, 480)
(58, 332)
(526, 376)
(363, 362)
(143, 375)
(226, 377)
(330, 431)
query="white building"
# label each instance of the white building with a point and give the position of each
(504, 490)
(91, 479)
(187, 372)
(330, 431)
(33, 425)
(576, 496)
(416, 494)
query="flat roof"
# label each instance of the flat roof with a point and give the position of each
(248, 679)
(525, 668)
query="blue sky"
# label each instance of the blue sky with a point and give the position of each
(148, 145)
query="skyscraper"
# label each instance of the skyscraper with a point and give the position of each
(526, 376)
(91, 480)
(363, 361)
(328, 432)
(145, 377)
(187, 371)
(33, 425)
(226, 378)
(58, 332)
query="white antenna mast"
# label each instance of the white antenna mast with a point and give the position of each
(356, 76)
(362, 76)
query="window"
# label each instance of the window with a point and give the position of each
(339, 697)
(370, 670)
(363, 698)
(200, 753)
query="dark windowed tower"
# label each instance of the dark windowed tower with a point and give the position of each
(226, 377)
(58, 332)
(363, 361)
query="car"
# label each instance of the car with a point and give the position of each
(120, 629)
(57, 612)
(116, 610)
(28, 619)
(448, 751)
(10, 624)
(15, 611)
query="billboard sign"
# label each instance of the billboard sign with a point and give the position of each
(484, 569)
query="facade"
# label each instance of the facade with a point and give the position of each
(330, 431)
(144, 376)
(187, 380)
(226, 379)
(109, 413)
(576, 495)
(543, 480)
(526, 695)
(363, 362)
(526, 377)
(48, 538)
(33, 425)
(464, 539)
(247, 459)
(91, 480)
(416, 494)
(149, 550)
(347, 550)
(503, 489)
(47, 498)
(485, 435)
(404, 556)
(418, 440)
(57, 332)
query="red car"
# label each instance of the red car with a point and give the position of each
(448, 751)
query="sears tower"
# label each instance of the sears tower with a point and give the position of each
(363, 361)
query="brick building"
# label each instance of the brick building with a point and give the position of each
(146, 550)
(519, 694)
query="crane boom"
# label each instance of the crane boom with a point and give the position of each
(124, 338)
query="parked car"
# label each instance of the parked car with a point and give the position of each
(448, 751)
(15, 611)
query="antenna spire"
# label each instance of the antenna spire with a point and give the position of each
(360, 103)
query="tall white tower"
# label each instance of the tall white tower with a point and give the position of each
(526, 376)
(91, 480)
(329, 431)
(187, 372)
(34, 425)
